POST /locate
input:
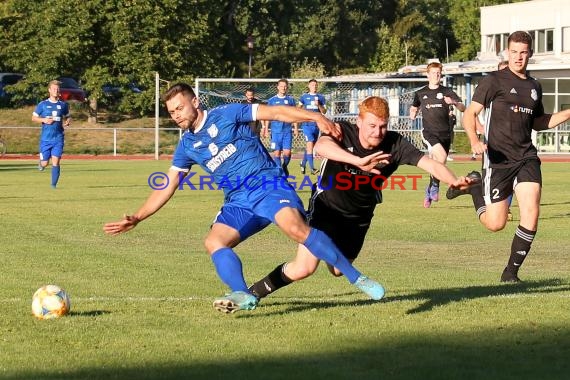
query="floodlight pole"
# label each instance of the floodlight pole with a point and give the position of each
(249, 41)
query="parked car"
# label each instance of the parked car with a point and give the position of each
(7, 79)
(71, 91)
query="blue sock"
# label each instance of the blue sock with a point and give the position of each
(277, 160)
(228, 266)
(304, 161)
(55, 170)
(324, 249)
(286, 160)
(310, 159)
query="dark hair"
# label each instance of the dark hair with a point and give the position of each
(179, 88)
(313, 80)
(520, 36)
(250, 89)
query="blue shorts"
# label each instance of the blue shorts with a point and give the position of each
(251, 211)
(311, 132)
(50, 148)
(281, 141)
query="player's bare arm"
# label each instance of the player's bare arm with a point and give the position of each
(459, 105)
(559, 118)
(441, 172)
(470, 125)
(154, 202)
(297, 115)
(329, 148)
(413, 112)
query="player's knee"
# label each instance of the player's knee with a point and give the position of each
(495, 225)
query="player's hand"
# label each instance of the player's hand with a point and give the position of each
(327, 127)
(478, 147)
(463, 183)
(48, 120)
(371, 162)
(126, 224)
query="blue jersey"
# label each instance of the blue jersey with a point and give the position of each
(225, 147)
(279, 126)
(57, 111)
(309, 103)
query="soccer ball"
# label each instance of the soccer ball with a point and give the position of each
(50, 302)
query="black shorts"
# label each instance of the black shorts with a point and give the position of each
(347, 233)
(498, 183)
(431, 140)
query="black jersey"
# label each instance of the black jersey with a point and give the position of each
(435, 111)
(337, 188)
(512, 105)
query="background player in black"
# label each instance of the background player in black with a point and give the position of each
(434, 100)
(513, 103)
(251, 99)
(341, 209)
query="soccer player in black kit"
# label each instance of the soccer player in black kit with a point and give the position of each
(513, 104)
(343, 203)
(434, 101)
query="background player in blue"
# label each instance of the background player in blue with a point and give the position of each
(221, 142)
(434, 101)
(513, 108)
(281, 132)
(311, 101)
(54, 115)
(345, 213)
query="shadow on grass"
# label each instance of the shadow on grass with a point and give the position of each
(18, 167)
(521, 353)
(430, 298)
(90, 313)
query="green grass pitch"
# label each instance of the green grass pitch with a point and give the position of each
(141, 302)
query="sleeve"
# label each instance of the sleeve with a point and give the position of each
(322, 99)
(485, 91)
(180, 160)
(416, 102)
(453, 95)
(38, 109)
(66, 112)
(406, 152)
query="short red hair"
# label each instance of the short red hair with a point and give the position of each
(375, 105)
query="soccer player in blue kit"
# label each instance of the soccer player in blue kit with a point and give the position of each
(281, 131)
(54, 115)
(222, 143)
(311, 101)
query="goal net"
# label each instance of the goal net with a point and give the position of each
(342, 98)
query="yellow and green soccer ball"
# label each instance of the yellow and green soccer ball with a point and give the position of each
(50, 301)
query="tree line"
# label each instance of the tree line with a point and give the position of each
(121, 41)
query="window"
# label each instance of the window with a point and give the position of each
(497, 42)
(566, 39)
(543, 40)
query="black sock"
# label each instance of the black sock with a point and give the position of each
(519, 248)
(434, 181)
(270, 283)
(476, 192)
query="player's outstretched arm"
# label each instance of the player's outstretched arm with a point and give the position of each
(297, 115)
(329, 148)
(154, 202)
(442, 172)
(470, 120)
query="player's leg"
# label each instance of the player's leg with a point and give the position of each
(277, 146)
(287, 146)
(302, 266)
(57, 153)
(439, 153)
(232, 225)
(45, 155)
(303, 163)
(429, 142)
(314, 135)
(319, 244)
(528, 192)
